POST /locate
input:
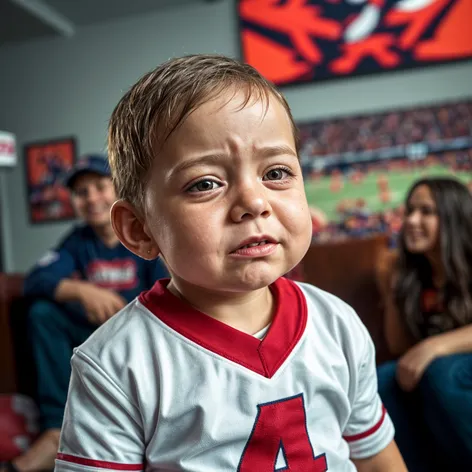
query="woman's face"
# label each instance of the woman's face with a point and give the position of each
(421, 222)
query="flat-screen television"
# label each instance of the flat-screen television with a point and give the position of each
(294, 41)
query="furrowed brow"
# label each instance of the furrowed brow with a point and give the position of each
(277, 150)
(210, 159)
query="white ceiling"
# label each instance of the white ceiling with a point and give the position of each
(23, 20)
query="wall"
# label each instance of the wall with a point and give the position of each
(62, 87)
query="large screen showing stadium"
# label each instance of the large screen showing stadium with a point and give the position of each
(358, 169)
(293, 41)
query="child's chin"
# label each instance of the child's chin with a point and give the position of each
(256, 281)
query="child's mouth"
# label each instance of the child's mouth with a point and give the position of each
(258, 248)
(253, 244)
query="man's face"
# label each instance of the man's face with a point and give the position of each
(92, 197)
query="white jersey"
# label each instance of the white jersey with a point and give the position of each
(163, 387)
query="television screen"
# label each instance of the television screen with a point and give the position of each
(358, 169)
(294, 41)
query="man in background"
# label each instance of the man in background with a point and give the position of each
(77, 286)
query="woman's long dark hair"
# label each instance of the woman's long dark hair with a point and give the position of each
(454, 208)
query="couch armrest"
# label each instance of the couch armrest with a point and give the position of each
(11, 288)
(347, 269)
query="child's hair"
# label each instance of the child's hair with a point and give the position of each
(454, 210)
(161, 100)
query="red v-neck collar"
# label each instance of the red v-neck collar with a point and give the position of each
(263, 357)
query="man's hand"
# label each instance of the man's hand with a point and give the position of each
(412, 365)
(100, 304)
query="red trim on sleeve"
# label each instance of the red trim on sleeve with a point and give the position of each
(370, 431)
(101, 464)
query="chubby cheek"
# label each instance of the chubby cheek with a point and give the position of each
(188, 237)
(295, 217)
(295, 214)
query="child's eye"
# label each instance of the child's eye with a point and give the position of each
(280, 173)
(203, 186)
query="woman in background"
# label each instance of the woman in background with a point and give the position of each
(427, 287)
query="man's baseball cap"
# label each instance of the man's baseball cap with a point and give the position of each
(94, 164)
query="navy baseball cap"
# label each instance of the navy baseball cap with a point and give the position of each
(94, 164)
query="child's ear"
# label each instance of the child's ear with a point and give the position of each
(129, 227)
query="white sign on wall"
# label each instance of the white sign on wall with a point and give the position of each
(7, 149)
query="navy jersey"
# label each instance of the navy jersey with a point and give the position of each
(83, 255)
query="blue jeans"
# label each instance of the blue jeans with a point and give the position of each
(54, 331)
(433, 423)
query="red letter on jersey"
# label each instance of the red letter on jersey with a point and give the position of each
(281, 425)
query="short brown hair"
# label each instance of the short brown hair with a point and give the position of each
(158, 104)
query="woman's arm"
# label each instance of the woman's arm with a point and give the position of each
(412, 365)
(457, 341)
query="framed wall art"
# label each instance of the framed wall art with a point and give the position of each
(46, 164)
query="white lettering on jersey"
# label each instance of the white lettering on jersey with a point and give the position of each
(48, 258)
(119, 274)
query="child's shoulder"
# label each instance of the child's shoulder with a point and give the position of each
(327, 311)
(123, 340)
(326, 303)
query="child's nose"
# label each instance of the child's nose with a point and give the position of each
(250, 202)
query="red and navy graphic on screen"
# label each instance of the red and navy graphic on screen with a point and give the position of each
(292, 41)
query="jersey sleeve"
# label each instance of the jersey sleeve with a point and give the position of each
(369, 429)
(55, 265)
(102, 430)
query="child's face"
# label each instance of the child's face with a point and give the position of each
(226, 177)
